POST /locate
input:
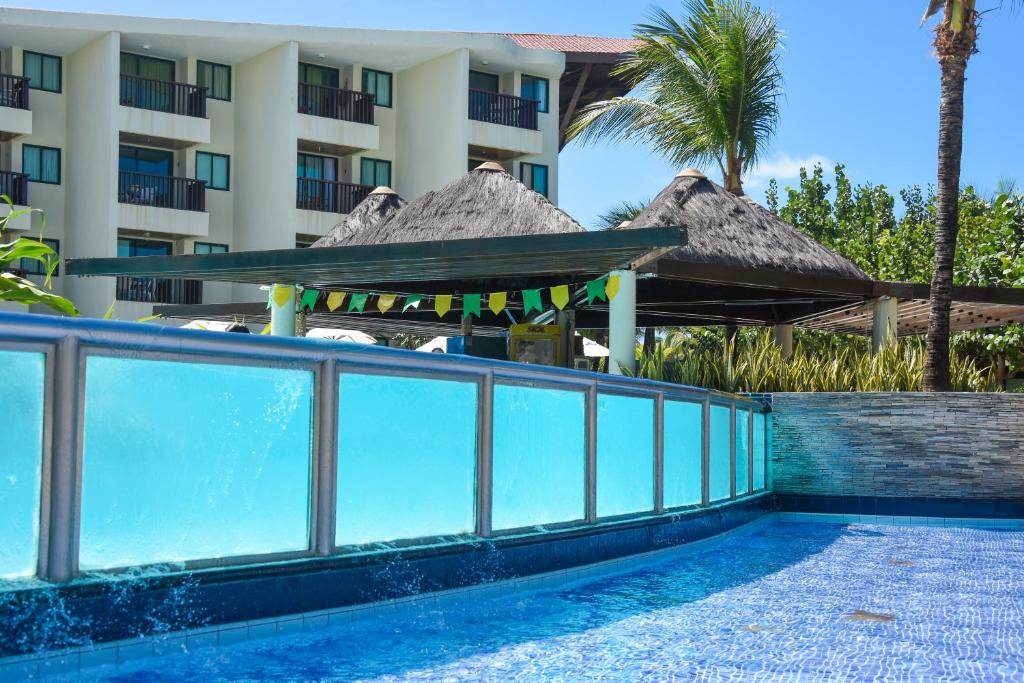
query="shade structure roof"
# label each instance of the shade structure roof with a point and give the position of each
(366, 216)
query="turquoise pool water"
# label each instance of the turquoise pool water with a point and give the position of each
(783, 601)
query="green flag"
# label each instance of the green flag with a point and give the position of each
(595, 290)
(412, 301)
(531, 301)
(308, 299)
(358, 302)
(470, 305)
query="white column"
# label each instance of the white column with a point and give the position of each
(282, 317)
(883, 330)
(622, 324)
(783, 337)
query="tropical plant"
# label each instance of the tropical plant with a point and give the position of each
(14, 287)
(956, 39)
(620, 213)
(708, 88)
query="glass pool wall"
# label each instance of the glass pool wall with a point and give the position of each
(131, 445)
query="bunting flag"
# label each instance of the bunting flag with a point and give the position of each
(266, 329)
(308, 300)
(412, 301)
(442, 304)
(335, 300)
(531, 301)
(357, 302)
(281, 294)
(470, 305)
(612, 288)
(595, 291)
(560, 296)
(385, 302)
(496, 302)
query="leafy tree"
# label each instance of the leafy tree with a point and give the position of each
(710, 82)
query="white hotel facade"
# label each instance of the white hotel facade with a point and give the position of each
(141, 136)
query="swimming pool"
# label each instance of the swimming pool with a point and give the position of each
(779, 601)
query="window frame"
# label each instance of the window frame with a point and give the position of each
(34, 264)
(210, 244)
(303, 73)
(138, 59)
(496, 77)
(542, 104)
(526, 165)
(209, 88)
(40, 148)
(209, 183)
(391, 85)
(362, 181)
(42, 56)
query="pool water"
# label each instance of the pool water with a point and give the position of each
(781, 601)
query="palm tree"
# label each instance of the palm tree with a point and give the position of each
(710, 85)
(956, 38)
(620, 213)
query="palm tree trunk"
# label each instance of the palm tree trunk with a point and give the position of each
(953, 49)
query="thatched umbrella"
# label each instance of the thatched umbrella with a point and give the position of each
(723, 229)
(376, 207)
(486, 202)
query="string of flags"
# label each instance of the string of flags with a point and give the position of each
(602, 289)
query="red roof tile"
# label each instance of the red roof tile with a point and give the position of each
(591, 44)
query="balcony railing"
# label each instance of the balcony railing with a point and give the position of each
(328, 195)
(505, 110)
(335, 103)
(14, 186)
(165, 96)
(167, 192)
(159, 290)
(13, 91)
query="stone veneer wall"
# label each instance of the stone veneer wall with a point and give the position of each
(950, 445)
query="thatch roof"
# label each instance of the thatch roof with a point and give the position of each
(486, 202)
(727, 230)
(376, 207)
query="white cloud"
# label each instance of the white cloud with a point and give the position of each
(783, 168)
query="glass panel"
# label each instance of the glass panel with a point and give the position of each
(21, 462)
(221, 86)
(742, 451)
(534, 88)
(49, 165)
(204, 167)
(760, 452)
(481, 81)
(315, 74)
(220, 172)
(721, 454)
(683, 456)
(540, 179)
(51, 74)
(217, 464)
(406, 458)
(539, 456)
(625, 454)
(30, 162)
(32, 69)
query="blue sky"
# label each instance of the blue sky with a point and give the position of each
(861, 85)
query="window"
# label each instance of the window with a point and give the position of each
(43, 71)
(318, 168)
(375, 172)
(145, 160)
(533, 88)
(215, 169)
(314, 74)
(210, 248)
(147, 67)
(535, 177)
(216, 78)
(42, 164)
(35, 267)
(378, 84)
(478, 80)
(133, 247)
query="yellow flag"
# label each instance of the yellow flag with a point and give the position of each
(442, 304)
(266, 329)
(385, 302)
(335, 300)
(560, 296)
(282, 294)
(612, 287)
(496, 302)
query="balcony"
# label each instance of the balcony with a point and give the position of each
(163, 112)
(159, 290)
(162, 204)
(14, 186)
(336, 121)
(319, 201)
(15, 116)
(503, 126)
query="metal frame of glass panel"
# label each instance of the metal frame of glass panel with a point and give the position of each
(68, 342)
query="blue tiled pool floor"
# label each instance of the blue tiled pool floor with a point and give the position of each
(783, 601)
